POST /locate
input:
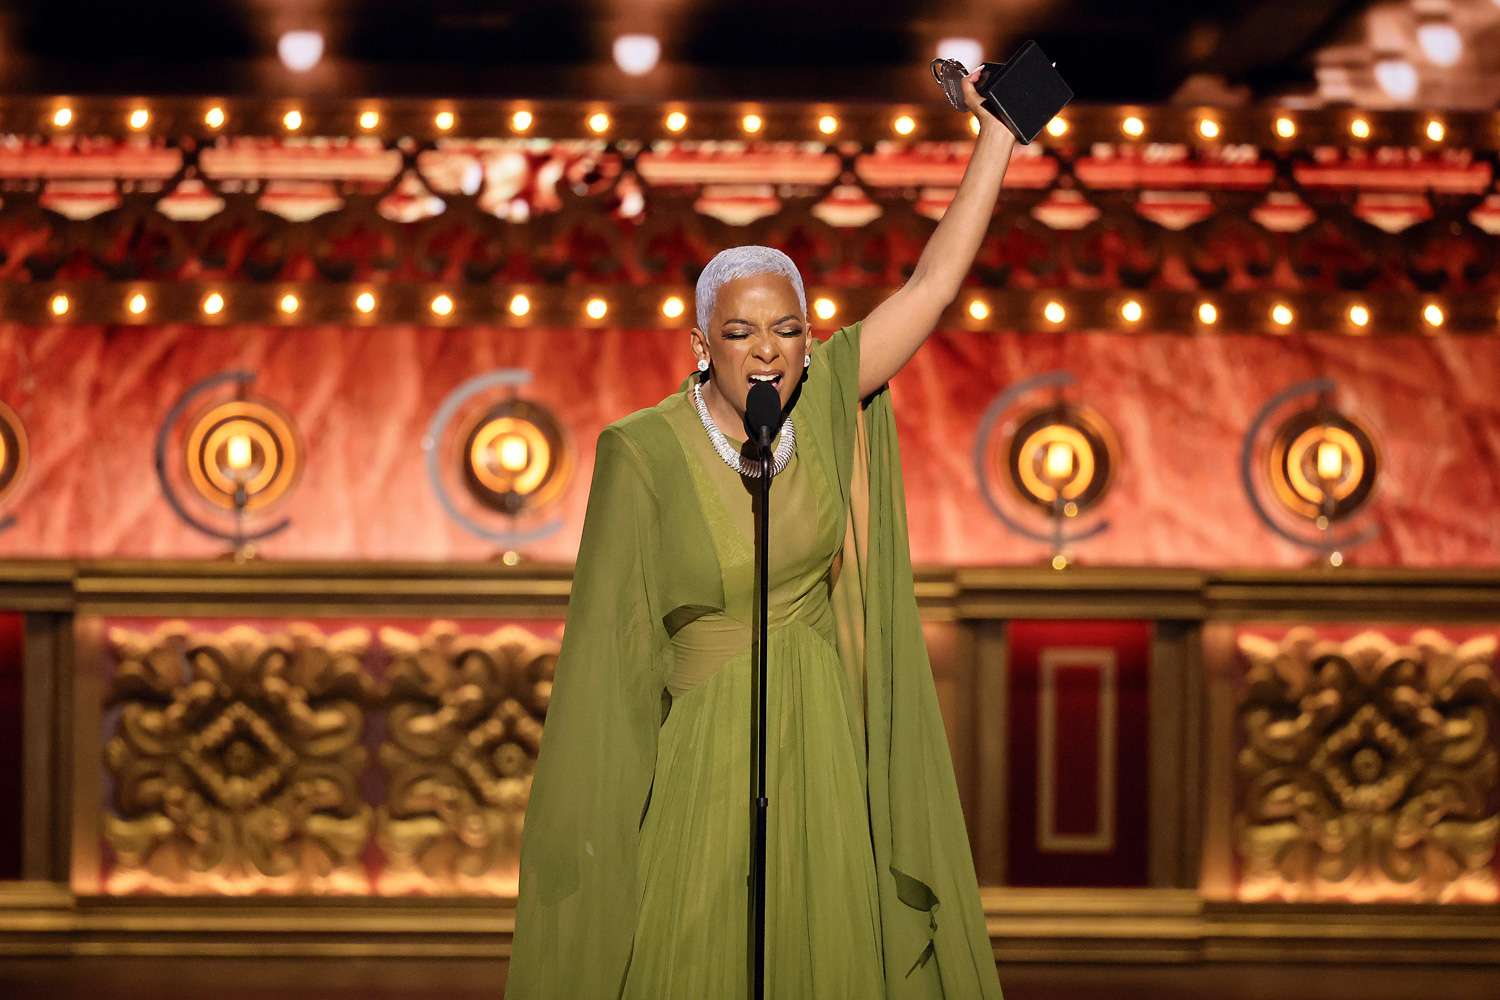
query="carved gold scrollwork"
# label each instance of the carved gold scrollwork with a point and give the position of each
(463, 728)
(1369, 768)
(236, 760)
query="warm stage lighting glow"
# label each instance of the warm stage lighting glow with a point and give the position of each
(676, 121)
(598, 123)
(1435, 130)
(1285, 127)
(59, 305)
(213, 303)
(637, 55)
(974, 124)
(62, 117)
(365, 302)
(1432, 314)
(1360, 128)
(137, 304)
(1330, 460)
(1132, 311)
(238, 453)
(1057, 461)
(828, 124)
(519, 305)
(442, 305)
(1057, 127)
(369, 120)
(1282, 315)
(1359, 315)
(1133, 127)
(139, 119)
(1208, 128)
(904, 125)
(1208, 313)
(752, 123)
(824, 308)
(214, 117)
(978, 310)
(300, 51)
(444, 120)
(289, 304)
(292, 120)
(595, 308)
(672, 307)
(1054, 312)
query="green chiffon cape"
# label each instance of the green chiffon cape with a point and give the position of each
(643, 532)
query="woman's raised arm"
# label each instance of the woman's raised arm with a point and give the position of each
(895, 329)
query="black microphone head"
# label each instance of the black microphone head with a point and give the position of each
(763, 411)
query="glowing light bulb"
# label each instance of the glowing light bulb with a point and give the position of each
(824, 308)
(1359, 315)
(289, 304)
(137, 304)
(1054, 312)
(292, 120)
(214, 117)
(1282, 315)
(62, 117)
(828, 124)
(1435, 130)
(1208, 313)
(300, 51)
(519, 305)
(365, 302)
(1285, 127)
(139, 119)
(676, 121)
(637, 55)
(1132, 311)
(752, 123)
(1133, 127)
(444, 120)
(598, 123)
(522, 121)
(1058, 461)
(974, 124)
(1208, 128)
(238, 453)
(672, 307)
(595, 308)
(1057, 127)
(978, 310)
(213, 304)
(442, 305)
(369, 120)
(1432, 314)
(59, 305)
(904, 124)
(512, 452)
(1330, 460)
(1398, 78)
(1359, 128)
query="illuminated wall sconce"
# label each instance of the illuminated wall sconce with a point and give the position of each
(510, 458)
(1055, 459)
(14, 455)
(1312, 471)
(240, 456)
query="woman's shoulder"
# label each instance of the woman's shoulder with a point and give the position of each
(645, 434)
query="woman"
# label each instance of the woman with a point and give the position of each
(636, 849)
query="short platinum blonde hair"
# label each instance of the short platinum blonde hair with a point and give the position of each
(743, 262)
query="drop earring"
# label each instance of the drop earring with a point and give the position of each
(703, 364)
(806, 360)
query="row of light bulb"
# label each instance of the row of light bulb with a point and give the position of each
(824, 308)
(751, 123)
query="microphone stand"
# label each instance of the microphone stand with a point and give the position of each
(758, 736)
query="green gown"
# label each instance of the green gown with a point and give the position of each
(636, 847)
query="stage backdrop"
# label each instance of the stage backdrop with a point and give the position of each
(92, 399)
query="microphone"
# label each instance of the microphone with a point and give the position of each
(763, 413)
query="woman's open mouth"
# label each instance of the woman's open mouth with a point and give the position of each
(773, 377)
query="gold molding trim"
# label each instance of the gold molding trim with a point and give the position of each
(1102, 839)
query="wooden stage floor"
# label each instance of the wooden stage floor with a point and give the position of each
(140, 978)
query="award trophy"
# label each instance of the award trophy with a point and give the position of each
(1025, 93)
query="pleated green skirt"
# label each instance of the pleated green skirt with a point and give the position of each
(822, 918)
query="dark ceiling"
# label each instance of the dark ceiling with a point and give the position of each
(770, 49)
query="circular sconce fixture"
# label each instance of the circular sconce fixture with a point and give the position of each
(1309, 469)
(14, 456)
(1055, 457)
(510, 457)
(239, 456)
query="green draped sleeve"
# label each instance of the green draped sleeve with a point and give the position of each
(575, 911)
(933, 930)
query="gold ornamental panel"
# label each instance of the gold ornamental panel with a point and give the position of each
(463, 728)
(236, 759)
(1369, 768)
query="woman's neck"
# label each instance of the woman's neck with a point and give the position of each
(724, 415)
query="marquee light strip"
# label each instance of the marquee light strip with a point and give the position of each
(208, 117)
(662, 307)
